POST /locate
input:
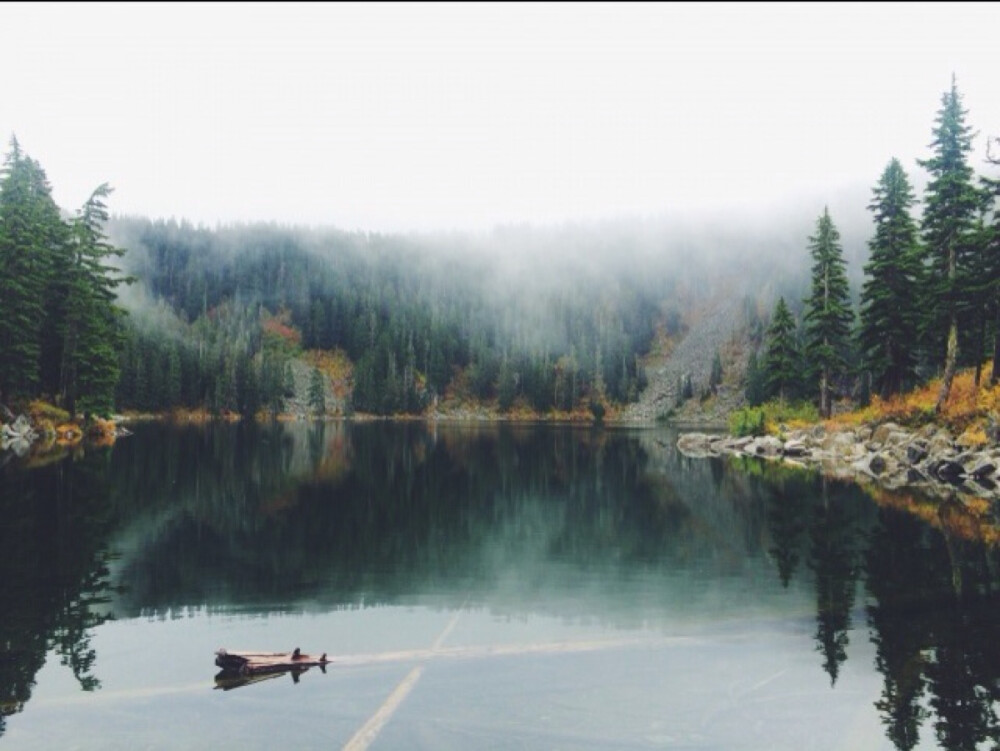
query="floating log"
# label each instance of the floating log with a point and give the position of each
(256, 663)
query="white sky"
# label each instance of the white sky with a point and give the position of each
(392, 117)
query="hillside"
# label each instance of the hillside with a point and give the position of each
(519, 321)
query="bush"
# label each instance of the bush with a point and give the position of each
(747, 421)
(766, 418)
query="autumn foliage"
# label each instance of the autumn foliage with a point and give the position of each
(966, 412)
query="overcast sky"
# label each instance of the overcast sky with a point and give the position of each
(392, 117)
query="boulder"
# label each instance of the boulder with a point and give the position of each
(882, 432)
(795, 448)
(980, 469)
(877, 464)
(917, 451)
(946, 470)
(766, 445)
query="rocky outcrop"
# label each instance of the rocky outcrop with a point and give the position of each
(691, 360)
(930, 459)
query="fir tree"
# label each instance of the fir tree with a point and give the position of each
(781, 361)
(828, 314)
(951, 205)
(30, 233)
(755, 381)
(91, 330)
(890, 296)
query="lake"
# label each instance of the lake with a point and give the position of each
(494, 586)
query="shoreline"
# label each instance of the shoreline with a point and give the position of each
(929, 460)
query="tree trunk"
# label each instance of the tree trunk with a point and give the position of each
(995, 374)
(982, 347)
(950, 359)
(824, 393)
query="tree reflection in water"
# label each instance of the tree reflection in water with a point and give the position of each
(53, 572)
(339, 514)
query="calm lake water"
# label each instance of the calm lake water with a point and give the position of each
(479, 587)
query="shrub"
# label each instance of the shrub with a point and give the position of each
(747, 421)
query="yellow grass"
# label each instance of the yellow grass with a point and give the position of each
(965, 412)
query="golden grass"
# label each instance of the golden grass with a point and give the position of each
(40, 410)
(965, 412)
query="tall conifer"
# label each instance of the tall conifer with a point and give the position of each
(91, 329)
(951, 206)
(828, 314)
(30, 230)
(890, 295)
(781, 363)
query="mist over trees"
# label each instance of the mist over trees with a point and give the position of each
(552, 318)
(519, 317)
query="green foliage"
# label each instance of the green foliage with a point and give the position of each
(413, 322)
(782, 359)
(747, 421)
(951, 206)
(31, 235)
(759, 420)
(755, 381)
(59, 324)
(828, 314)
(890, 297)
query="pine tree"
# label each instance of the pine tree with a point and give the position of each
(951, 205)
(828, 314)
(781, 361)
(755, 381)
(30, 232)
(91, 331)
(890, 296)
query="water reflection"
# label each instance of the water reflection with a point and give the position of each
(53, 572)
(521, 520)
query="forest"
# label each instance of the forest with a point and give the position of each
(101, 314)
(930, 300)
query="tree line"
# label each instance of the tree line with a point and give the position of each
(60, 324)
(930, 301)
(416, 322)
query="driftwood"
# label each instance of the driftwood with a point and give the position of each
(259, 663)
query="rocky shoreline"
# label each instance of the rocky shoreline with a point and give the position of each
(930, 460)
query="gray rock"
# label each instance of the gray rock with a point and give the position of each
(981, 469)
(767, 446)
(916, 452)
(795, 448)
(946, 470)
(877, 464)
(883, 431)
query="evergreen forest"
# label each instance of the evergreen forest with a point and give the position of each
(166, 315)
